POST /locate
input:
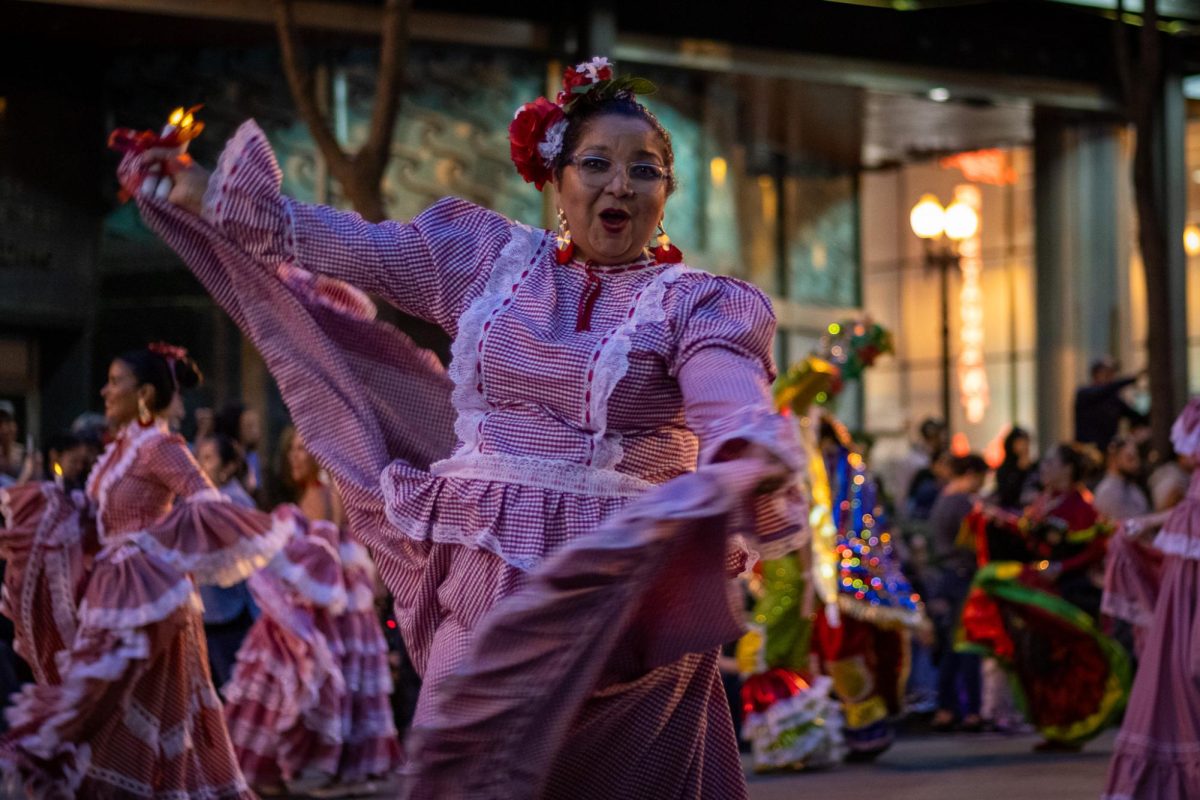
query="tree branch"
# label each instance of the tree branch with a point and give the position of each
(393, 56)
(300, 84)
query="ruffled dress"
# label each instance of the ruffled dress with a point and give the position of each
(42, 544)
(283, 703)
(1070, 678)
(135, 714)
(370, 743)
(1157, 589)
(560, 572)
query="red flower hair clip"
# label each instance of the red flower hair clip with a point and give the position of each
(170, 352)
(535, 135)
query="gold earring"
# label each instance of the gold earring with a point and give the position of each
(145, 418)
(566, 247)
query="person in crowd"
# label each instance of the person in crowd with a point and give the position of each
(228, 611)
(244, 426)
(1038, 618)
(1120, 494)
(922, 453)
(1168, 482)
(959, 674)
(1099, 407)
(1015, 477)
(592, 372)
(133, 710)
(12, 452)
(1152, 582)
(68, 461)
(927, 484)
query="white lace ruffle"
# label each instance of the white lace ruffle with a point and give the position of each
(759, 425)
(325, 595)
(135, 437)
(1119, 606)
(613, 363)
(229, 565)
(542, 473)
(55, 566)
(182, 594)
(522, 253)
(420, 530)
(1178, 544)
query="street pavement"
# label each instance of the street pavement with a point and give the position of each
(953, 767)
(930, 767)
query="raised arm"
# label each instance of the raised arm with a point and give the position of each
(424, 267)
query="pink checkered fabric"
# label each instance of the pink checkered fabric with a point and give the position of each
(539, 434)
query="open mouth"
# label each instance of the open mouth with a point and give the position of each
(614, 219)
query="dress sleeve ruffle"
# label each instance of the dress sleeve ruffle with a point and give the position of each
(216, 541)
(424, 267)
(309, 566)
(1132, 576)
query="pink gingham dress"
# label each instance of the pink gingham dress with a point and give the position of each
(539, 439)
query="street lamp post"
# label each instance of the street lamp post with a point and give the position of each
(941, 230)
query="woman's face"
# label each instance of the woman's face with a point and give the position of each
(301, 463)
(611, 215)
(1054, 473)
(1020, 447)
(209, 456)
(121, 394)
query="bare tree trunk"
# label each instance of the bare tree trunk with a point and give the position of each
(359, 174)
(1143, 88)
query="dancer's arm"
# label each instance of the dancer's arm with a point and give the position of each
(423, 267)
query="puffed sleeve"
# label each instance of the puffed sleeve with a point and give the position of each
(723, 363)
(215, 540)
(424, 267)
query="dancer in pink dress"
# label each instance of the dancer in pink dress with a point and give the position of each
(1156, 587)
(283, 702)
(135, 714)
(555, 516)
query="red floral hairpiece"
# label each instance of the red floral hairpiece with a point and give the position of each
(536, 133)
(170, 352)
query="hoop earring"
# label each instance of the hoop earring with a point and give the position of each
(665, 252)
(566, 248)
(144, 417)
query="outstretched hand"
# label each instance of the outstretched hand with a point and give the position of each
(172, 175)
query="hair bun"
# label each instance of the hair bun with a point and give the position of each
(187, 374)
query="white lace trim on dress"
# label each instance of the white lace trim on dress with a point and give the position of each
(520, 255)
(542, 473)
(613, 363)
(1178, 544)
(135, 438)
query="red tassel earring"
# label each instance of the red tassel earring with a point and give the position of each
(665, 252)
(566, 247)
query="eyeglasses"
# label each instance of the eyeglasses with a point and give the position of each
(596, 171)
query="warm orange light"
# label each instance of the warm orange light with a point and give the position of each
(927, 218)
(1191, 239)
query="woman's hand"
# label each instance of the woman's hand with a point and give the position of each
(173, 175)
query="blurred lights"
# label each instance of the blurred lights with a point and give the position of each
(939, 94)
(927, 218)
(1191, 239)
(718, 168)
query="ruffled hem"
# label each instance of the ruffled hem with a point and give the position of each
(801, 731)
(218, 542)
(1137, 774)
(492, 516)
(1181, 545)
(308, 565)
(135, 591)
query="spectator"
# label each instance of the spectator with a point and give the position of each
(1015, 476)
(1169, 481)
(959, 674)
(931, 442)
(12, 454)
(244, 426)
(927, 485)
(228, 611)
(1119, 496)
(1099, 407)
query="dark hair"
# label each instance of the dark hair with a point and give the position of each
(931, 427)
(587, 109)
(1083, 460)
(64, 441)
(970, 464)
(228, 421)
(1102, 364)
(154, 369)
(227, 450)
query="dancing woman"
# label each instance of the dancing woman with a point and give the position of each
(135, 714)
(1154, 584)
(560, 576)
